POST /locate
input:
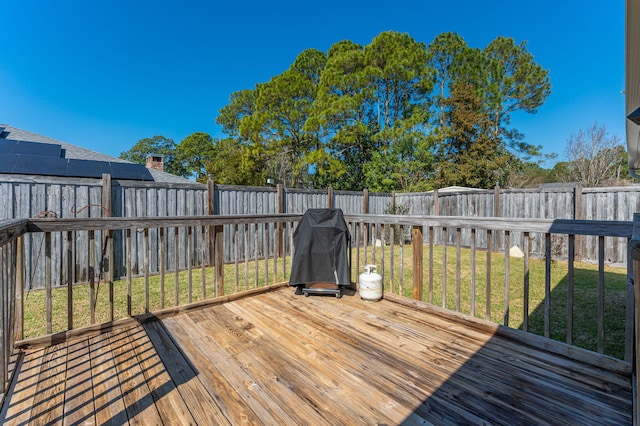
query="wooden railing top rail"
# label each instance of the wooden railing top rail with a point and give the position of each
(609, 228)
(113, 223)
(10, 229)
(554, 226)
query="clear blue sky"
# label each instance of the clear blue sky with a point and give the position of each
(104, 74)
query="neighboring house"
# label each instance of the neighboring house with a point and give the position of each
(26, 153)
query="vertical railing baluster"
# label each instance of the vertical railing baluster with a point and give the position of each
(458, 266)
(487, 309)
(547, 284)
(265, 249)
(69, 272)
(382, 246)
(276, 249)
(356, 237)
(292, 248)
(203, 266)
(129, 271)
(525, 287)
(236, 254)
(189, 231)
(146, 269)
(111, 274)
(92, 276)
(570, 287)
(444, 266)
(472, 300)
(507, 276)
(20, 281)
(374, 242)
(418, 244)
(246, 256)
(365, 243)
(601, 293)
(176, 265)
(391, 259)
(431, 244)
(218, 260)
(255, 253)
(161, 265)
(401, 255)
(285, 251)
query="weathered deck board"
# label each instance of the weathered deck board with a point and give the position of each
(276, 358)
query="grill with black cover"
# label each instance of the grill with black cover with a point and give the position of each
(320, 261)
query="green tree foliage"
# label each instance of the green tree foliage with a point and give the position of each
(471, 155)
(227, 164)
(194, 153)
(512, 82)
(390, 115)
(156, 145)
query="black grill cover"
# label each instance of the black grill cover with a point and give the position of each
(320, 241)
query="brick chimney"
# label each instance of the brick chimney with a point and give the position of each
(155, 161)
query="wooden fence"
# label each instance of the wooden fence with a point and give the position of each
(33, 197)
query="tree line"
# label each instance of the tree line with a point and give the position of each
(395, 114)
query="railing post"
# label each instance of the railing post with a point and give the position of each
(634, 250)
(218, 249)
(18, 330)
(418, 242)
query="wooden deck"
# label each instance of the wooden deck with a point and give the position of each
(279, 359)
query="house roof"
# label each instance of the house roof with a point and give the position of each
(73, 153)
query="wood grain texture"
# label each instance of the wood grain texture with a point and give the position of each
(276, 358)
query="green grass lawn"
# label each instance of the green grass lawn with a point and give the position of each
(584, 310)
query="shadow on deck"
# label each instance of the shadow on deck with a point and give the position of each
(276, 358)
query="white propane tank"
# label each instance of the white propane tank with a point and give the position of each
(370, 285)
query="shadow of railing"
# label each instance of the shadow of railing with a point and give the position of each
(585, 329)
(118, 377)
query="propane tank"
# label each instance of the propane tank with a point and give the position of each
(370, 284)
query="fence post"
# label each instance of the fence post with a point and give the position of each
(578, 215)
(330, 197)
(417, 242)
(365, 201)
(211, 203)
(436, 203)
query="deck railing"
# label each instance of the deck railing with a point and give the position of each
(460, 263)
(464, 264)
(11, 278)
